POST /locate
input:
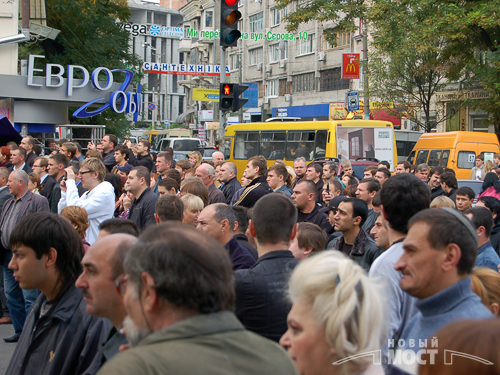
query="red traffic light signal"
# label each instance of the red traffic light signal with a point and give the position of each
(229, 97)
(230, 15)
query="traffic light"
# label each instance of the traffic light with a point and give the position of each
(229, 97)
(230, 15)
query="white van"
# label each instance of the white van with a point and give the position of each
(184, 145)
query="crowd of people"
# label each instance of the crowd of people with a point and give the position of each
(120, 262)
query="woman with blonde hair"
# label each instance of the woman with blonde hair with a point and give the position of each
(79, 219)
(486, 284)
(442, 201)
(195, 159)
(193, 205)
(489, 166)
(34, 183)
(337, 313)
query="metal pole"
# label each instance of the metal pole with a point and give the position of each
(365, 74)
(240, 81)
(222, 117)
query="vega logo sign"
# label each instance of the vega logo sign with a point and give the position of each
(136, 29)
(350, 66)
(120, 101)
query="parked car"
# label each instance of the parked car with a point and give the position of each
(184, 145)
(206, 152)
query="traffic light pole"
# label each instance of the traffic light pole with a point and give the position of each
(222, 115)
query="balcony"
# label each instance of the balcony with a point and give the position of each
(185, 45)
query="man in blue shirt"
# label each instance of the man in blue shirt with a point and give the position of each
(483, 221)
(439, 253)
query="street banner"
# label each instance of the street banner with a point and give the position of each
(350, 66)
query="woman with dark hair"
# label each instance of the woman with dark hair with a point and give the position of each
(5, 157)
(491, 186)
(114, 180)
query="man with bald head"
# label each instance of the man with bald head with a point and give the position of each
(228, 177)
(207, 175)
(102, 266)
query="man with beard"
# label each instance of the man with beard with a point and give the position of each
(178, 321)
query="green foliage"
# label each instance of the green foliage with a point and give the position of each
(90, 36)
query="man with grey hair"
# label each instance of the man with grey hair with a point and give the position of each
(22, 203)
(179, 315)
(217, 157)
(207, 174)
(217, 220)
(423, 172)
(230, 183)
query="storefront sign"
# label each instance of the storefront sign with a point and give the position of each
(350, 66)
(119, 101)
(154, 30)
(206, 95)
(184, 69)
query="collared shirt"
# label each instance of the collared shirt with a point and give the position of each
(21, 168)
(42, 178)
(11, 221)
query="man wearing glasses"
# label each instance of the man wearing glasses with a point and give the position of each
(100, 282)
(98, 201)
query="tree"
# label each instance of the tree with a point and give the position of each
(90, 36)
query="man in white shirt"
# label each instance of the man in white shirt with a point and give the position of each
(98, 201)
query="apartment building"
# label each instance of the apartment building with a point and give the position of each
(155, 35)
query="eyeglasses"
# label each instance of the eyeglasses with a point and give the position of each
(82, 173)
(121, 285)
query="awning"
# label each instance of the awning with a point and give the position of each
(182, 117)
(254, 111)
(385, 114)
(7, 132)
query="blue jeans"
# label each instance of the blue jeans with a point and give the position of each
(19, 300)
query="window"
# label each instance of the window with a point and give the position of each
(304, 82)
(331, 80)
(444, 159)
(466, 159)
(272, 145)
(257, 22)
(234, 62)
(434, 158)
(277, 15)
(285, 87)
(181, 105)
(343, 40)
(275, 54)
(308, 45)
(256, 56)
(209, 18)
(272, 88)
(422, 157)
(300, 144)
(246, 145)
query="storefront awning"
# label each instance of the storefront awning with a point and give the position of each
(7, 132)
(385, 114)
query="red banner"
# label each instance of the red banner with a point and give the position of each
(350, 66)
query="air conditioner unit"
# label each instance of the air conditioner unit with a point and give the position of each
(282, 64)
(269, 69)
(321, 56)
(288, 98)
(265, 100)
(259, 66)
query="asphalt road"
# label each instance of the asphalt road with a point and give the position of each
(6, 350)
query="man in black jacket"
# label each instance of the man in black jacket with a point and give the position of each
(304, 198)
(256, 171)
(143, 157)
(261, 304)
(142, 210)
(59, 336)
(56, 166)
(230, 183)
(354, 241)
(40, 167)
(108, 143)
(241, 226)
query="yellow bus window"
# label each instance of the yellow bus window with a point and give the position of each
(300, 144)
(272, 145)
(434, 158)
(246, 145)
(422, 157)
